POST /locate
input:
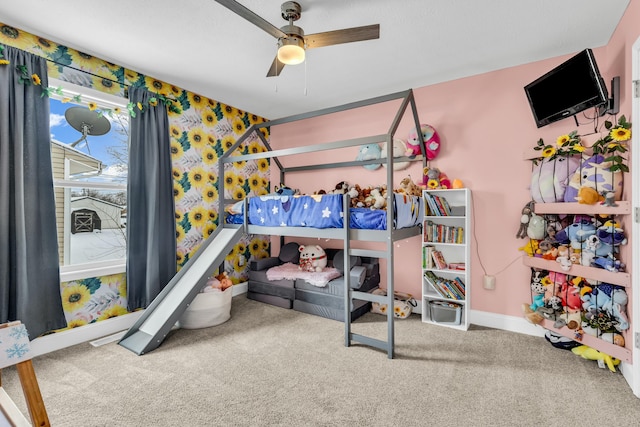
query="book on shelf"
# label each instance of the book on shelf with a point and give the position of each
(457, 266)
(433, 209)
(446, 288)
(438, 260)
(436, 283)
(460, 285)
(427, 257)
(440, 233)
(445, 204)
(440, 205)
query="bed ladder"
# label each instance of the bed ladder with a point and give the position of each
(351, 294)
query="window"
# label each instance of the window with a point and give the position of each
(89, 154)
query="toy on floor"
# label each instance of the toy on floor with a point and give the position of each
(592, 354)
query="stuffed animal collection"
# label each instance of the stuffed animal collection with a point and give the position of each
(588, 241)
(581, 305)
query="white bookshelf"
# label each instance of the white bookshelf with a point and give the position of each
(443, 233)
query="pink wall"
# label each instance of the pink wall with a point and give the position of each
(486, 127)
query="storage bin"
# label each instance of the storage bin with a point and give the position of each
(207, 309)
(445, 312)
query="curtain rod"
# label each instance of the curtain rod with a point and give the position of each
(126, 86)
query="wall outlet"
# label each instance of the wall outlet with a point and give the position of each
(489, 282)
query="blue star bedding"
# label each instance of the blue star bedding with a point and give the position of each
(325, 211)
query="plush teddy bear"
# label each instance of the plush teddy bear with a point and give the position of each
(379, 202)
(434, 178)
(312, 258)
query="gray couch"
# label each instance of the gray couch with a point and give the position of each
(299, 295)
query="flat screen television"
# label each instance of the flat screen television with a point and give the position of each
(571, 87)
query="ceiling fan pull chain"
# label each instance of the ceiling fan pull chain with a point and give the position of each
(305, 78)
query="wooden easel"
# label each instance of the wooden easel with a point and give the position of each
(30, 388)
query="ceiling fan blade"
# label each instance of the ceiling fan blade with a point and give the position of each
(347, 35)
(276, 68)
(239, 9)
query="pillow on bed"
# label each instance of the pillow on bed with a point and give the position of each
(290, 253)
(338, 261)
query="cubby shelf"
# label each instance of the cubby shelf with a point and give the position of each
(622, 353)
(623, 208)
(592, 273)
(615, 278)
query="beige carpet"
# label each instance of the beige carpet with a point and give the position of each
(271, 366)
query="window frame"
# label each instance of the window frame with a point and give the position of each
(96, 268)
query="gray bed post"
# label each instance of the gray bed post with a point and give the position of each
(346, 204)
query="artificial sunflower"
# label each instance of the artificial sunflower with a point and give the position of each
(620, 134)
(612, 145)
(548, 152)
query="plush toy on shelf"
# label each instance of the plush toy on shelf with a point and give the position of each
(399, 149)
(370, 152)
(433, 179)
(431, 141)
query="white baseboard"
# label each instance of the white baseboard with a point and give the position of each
(100, 332)
(506, 323)
(79, 335)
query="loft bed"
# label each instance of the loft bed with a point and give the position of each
(396, 225)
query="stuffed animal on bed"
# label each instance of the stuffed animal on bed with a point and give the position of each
(312, 258)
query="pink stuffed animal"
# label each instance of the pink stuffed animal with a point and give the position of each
(431, 140)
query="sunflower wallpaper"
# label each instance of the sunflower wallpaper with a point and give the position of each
(201, 130)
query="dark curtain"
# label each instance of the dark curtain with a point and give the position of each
(151, 224)
(29, 267)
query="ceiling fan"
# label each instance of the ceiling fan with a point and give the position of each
(292, 42)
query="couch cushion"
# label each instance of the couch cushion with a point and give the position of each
(290, 253)
(338, 261)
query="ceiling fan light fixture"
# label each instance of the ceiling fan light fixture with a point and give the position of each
(291, 50)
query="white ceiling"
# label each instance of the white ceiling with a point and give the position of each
(203, 47)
